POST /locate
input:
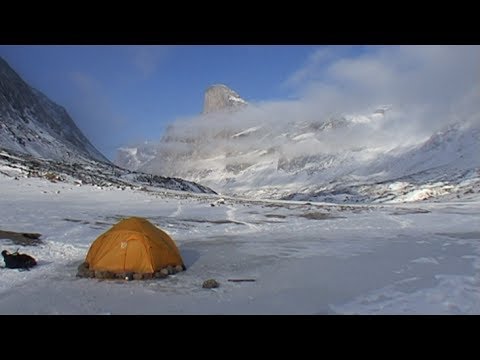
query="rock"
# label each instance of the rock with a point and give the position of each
(147, 276)
(210, 284)
(84, 271)
(100, 274)
(137, 276)
(164, 271)
(170, 270)
(160, 275)
(178, 268)
(52, 177)
(83, 266)
(109, 275)
(221, 98)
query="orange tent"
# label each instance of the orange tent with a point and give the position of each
(133, 245)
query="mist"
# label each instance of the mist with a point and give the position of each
(385, 98)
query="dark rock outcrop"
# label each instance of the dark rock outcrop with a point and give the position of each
(210, 284)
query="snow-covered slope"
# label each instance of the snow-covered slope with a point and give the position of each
(33, 124)
(445, 165)
(89, 172)
(133, 157)
(359, 157)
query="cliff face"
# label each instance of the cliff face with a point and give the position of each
(221, 98)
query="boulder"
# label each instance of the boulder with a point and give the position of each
(210, 284)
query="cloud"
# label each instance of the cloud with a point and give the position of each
(434, 78)
(312, 67)
(425, 88)
(146, 59)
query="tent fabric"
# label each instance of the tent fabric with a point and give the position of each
(133, 245)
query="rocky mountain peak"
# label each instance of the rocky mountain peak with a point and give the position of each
(220, 97)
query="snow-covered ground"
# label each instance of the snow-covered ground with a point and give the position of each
(306, 258)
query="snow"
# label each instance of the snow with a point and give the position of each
(305, 136)
(306, 258)
(246, 132)
(425, 260)
(236, 99)
(361, 119)
(129, 151)
(354, 158)
(133, 157)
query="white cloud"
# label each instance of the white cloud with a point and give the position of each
(312, 66)
(434, 78)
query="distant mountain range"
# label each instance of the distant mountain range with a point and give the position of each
(293, 162)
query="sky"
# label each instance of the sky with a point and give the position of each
(132, 92)
(119, 95)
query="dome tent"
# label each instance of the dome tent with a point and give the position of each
(133, 245)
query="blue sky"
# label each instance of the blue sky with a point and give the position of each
(125, 94)
(120, 94)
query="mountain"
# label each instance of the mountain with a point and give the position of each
(220, 97)
(446, 165)
(33, 124)
(219, 100)
(360, 157)
(90, 172)
(39, 139)
(133, 157)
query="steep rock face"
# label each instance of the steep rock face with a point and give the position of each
(221, 98)
(33, 124)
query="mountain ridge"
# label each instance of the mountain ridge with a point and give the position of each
(356, 157)
(33, 124)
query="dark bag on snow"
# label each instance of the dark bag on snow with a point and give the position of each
(18, 261)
